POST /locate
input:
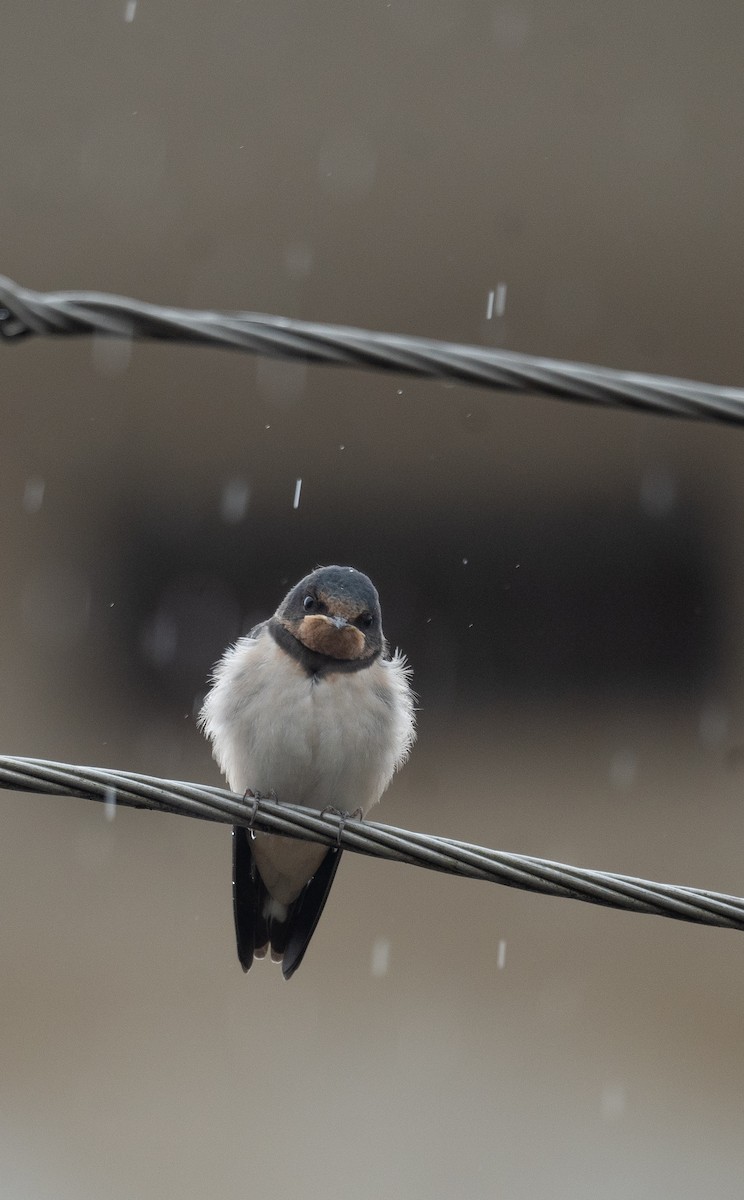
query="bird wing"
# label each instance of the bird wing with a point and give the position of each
(257, 921)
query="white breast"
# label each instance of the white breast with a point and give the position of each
(334, 741)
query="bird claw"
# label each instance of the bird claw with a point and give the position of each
(256, 797)
(343, 816)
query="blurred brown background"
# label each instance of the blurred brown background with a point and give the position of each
(568, 583)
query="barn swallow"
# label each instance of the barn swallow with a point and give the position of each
(312, 708)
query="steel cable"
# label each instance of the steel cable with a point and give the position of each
(24, 312)
(370, 838)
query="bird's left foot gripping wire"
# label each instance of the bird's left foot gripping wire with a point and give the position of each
(343, 816)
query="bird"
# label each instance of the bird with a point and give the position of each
(310, 708)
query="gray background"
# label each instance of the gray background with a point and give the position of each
(568, 583)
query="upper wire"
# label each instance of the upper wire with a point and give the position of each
(25, 312)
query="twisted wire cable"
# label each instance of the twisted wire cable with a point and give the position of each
(24, 312)
(378, 841)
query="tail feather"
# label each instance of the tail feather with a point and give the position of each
(251, 929)
(260, 921)
(307, 910)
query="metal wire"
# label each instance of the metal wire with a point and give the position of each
(378, 841)
(26, 312)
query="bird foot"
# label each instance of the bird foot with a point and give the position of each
(343, 815)
(249, 794)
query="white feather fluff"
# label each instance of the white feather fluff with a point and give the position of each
(335, 740)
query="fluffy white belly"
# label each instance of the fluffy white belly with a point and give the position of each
(329, 741)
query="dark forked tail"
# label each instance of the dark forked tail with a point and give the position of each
(254, 930)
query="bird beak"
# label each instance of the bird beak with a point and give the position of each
(339, 622)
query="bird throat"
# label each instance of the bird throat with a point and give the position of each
(322, 636)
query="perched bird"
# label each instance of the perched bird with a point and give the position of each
(309, 707)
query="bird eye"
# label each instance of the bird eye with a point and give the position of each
(366, 620)
(308, 604)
